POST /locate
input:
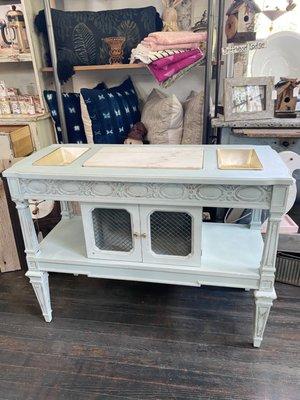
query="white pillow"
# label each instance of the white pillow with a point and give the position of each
(163, 118)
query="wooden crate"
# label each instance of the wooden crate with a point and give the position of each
(9, 247)
(15, 141)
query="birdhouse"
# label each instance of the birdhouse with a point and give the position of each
(286, 95)
(240, 23)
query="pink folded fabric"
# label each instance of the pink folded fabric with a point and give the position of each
(175, 58)
(157, 47)
(162, 73)
(171, 38)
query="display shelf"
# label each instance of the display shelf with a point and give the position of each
(21, 119)
(9, 57)
(261, 123)
(107, 67)
(241, 249)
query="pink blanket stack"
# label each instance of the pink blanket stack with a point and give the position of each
(170, 55)
(167, 67)
(157, 41)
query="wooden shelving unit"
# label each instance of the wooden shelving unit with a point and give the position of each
(22, 69)
(22, 119)
(9, 57)
(101, 67)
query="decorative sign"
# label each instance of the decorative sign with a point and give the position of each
(244, 48)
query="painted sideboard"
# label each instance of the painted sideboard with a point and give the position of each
(142, 220)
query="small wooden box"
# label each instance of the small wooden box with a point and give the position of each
(15, 141)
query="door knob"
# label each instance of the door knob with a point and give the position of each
(137, 235)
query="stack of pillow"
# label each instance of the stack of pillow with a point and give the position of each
(170, 122)
(108, 115)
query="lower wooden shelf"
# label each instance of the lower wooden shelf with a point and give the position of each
(13, 119)
(100, 67)
(231, 257)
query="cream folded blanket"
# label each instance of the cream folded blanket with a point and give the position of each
(172, 38)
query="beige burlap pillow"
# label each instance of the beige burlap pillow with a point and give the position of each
(87, 123)
(163, 118)
(193, 119)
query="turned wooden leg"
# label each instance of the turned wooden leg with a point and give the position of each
(40, 284)
(266, 294)
(263, 304)
(256, 219)
(38, 279)
(66, 210)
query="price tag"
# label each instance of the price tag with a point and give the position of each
(296, 91)
(274, 95)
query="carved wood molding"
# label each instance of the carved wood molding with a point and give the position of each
(127, 190)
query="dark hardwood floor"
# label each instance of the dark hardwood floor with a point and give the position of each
(128, 340)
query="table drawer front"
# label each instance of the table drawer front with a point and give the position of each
(143, 193)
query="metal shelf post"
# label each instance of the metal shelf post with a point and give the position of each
(57, 83)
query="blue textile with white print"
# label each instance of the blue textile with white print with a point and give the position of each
(113, 112)
(71, 101)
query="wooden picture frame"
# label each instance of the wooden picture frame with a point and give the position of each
(248, 98)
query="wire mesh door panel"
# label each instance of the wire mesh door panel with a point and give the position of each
(112, 232)
(112, 229)
(173, 235)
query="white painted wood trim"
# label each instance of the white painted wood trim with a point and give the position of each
(40, 284)
(256, 219)
(263, 304)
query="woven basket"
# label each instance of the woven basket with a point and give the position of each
(288, 269)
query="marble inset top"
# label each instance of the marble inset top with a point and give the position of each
(274, 171)
(172, 157)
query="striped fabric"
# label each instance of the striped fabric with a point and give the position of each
(145, 55)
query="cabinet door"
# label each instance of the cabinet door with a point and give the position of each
(112, 231)
(171, 235)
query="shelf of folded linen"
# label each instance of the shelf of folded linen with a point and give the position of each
(103, 67)
(170, 55)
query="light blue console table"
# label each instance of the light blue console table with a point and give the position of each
(145, 224)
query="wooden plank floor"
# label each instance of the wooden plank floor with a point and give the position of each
(127, 340)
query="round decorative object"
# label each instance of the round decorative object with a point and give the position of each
(280, 57)
(40, 209)
(231, 26)
(292, 161)
(115, 49)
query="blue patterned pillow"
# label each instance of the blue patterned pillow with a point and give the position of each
(113, 112)
(72, 109)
